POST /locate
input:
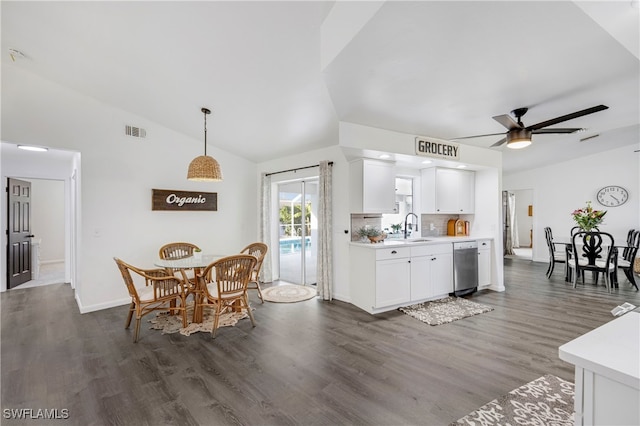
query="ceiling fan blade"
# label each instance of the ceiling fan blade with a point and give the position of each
(507, 121)
(552, 131)
(476, 136)
(567, 117)
(500, 142)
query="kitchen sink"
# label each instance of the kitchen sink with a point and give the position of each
(393, 242)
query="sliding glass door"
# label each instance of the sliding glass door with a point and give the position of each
(298, 228)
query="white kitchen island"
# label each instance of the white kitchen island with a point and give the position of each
(607, 372)
(395, 273)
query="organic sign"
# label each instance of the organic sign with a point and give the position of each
(165, 199)
(438, 148)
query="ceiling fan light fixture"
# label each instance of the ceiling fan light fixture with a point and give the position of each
(518, 138)
(205, 168)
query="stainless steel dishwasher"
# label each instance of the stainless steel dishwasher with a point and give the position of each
(465, 267)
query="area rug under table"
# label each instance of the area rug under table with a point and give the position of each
(169, 324)
(548, 401)
(445, 310)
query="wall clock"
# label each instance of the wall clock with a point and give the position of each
(613, 196)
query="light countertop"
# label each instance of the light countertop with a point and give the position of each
(394, 242)
(610, 350)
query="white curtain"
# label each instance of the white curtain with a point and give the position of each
(513, 226)
(508, 242)
(266, 273)
(325, 233)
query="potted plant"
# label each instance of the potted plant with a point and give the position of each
(197, 254)
(373, 234)
(396, 228)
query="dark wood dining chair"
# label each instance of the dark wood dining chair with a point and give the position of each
(556, 254)
(155, 290)
(223, 286)
(259, 250)
(592, 251)
(628, 255)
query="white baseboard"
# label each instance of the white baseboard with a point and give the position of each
(101, 306)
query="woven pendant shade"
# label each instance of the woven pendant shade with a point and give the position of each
(204, 169)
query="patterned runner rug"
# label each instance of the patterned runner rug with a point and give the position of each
(547, 401)
(445, 310)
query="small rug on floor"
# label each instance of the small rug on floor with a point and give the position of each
(547, 400)
(445, 310)
(173, 323)
(288, 293)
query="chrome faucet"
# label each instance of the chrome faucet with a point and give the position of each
(415, 225)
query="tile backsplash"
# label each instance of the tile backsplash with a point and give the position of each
(359, 220)
(431, 225)
(435, 224)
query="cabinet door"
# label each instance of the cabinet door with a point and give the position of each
(466, 191)
(484, 262)
(447, 190)
(441, 274)
(379, 189)
(392, 282)
(420, 273)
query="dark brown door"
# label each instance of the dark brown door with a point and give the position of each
(19, 227)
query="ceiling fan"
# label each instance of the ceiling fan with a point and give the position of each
(519, 136)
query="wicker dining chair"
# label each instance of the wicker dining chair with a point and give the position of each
(156, 290)
(224, 286)
(259, 250)
(180, 250)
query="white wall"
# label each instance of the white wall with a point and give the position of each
(561, 188)
(118, 173)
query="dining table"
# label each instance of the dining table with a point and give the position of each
(197, 263)
(568, 244)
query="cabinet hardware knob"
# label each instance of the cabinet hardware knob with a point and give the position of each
(394, 252)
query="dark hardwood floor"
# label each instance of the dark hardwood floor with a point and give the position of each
(305, 363)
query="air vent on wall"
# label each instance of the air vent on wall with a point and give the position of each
(136, 132)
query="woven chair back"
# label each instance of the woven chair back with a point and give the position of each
(177, 250)
(231, 274)
(259, 250)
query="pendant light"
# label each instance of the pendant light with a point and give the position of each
(205, 168)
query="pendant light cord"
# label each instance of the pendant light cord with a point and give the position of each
(205, 111)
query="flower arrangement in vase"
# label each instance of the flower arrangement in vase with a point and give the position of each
(587, 218)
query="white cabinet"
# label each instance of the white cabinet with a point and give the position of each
(383, 279)
(484, 263)
(434, 271)
(448, 191)
(372, 186)
(420, 273)
(392, 281)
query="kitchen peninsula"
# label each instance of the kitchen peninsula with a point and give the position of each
(400, 272)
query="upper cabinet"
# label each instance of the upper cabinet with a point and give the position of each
(448, 191)
(372, 186)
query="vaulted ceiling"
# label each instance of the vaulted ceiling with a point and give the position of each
(440, 69)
